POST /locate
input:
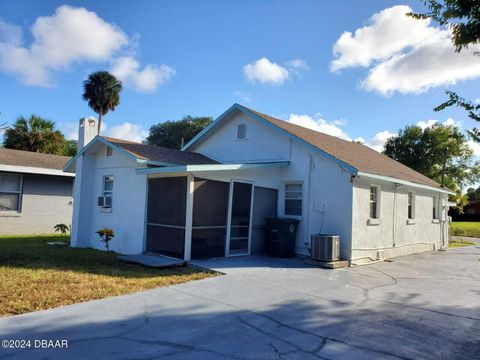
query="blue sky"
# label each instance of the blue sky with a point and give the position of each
(181, 58)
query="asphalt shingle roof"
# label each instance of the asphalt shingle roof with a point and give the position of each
(360, 156)
(32, 159)
(161, 154)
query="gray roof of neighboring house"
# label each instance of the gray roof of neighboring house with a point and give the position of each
(361, 157)
(161, 154)
(32, 159)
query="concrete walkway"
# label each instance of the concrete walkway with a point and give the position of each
(418, 307)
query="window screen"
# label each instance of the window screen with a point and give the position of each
(374, 202)
(411, 205)
(293, 199)
(107, 191)
(10, 192)
(435, 208)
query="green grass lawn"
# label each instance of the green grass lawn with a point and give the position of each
(36, 276)
(454, 243)
(465, 229)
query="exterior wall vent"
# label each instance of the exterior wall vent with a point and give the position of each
(326, 247)
(242, 131)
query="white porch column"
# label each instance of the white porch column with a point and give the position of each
(189, 218)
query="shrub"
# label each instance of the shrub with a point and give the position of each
(106, 235)
(62, 228)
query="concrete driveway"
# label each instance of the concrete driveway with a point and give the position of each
(421, 306)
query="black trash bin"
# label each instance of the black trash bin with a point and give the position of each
(281, 235)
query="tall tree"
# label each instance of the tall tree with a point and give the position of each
(425, 151)
(463, 18)
(70, 148)
(34, 134)
(102, 91)
(473, 194)
(174, 134)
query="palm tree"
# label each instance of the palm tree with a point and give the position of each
(102, 91)
(34, 134)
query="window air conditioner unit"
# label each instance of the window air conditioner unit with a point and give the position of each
(326, 247)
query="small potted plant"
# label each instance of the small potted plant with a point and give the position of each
(106, 234)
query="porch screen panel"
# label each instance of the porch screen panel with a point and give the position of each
(166, 241)
(166, 216)
(210, 211)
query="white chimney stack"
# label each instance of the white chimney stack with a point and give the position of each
(87, 130)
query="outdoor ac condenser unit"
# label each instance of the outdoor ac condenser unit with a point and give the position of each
(326, 247)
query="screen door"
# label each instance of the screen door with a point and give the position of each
(240, 219)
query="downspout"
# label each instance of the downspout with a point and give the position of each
(394, 226)
(308, 243)
(443, 218)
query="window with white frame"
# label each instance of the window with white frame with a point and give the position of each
(411, 205)
(375, 202)
(435, 207)
(109, 151)
(293, 199)
(241, 131)
(107, 191)
(10, 192)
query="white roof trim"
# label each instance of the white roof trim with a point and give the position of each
(34, 170)
(404, 182)
(209, 167)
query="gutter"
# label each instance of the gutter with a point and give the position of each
(405, 182)
(35, 170)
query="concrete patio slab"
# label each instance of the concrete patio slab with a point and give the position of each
(418, 307)
(151, 260)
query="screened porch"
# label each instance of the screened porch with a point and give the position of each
(194, 217)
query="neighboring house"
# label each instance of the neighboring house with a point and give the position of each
(471, 212)
(35, 194)
(211, 198)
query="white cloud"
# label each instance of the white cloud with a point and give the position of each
(379, 140)
(126, 131)
(10, 33)
(245, 97)
(334, 128)
(475, 147)
(297, 66)
(318, 124)
(403, 54)
(68, 36)
(74, 35)
(426, 123)
(148, 79)
(268, 72)
(265, 72)
(69, 130)
(429, 123)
